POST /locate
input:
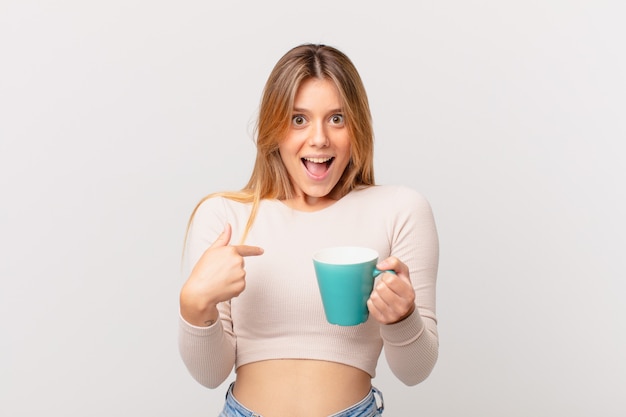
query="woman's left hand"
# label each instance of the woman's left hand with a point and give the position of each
(393, 297)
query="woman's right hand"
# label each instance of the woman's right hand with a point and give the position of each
(219, 275)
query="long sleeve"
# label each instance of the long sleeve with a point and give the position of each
(280, 315)
(412, 345)
(208, 352)
(411, 348)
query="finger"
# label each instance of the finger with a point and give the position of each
(394, 264)
(399, 295)
(379, 296)
(379, 310)
(388, 307)
(224, 237)
(396, 284)
(395, 291)
(373, 309)
(245, 250)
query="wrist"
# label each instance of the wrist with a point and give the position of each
(199, 318)
(196, 311)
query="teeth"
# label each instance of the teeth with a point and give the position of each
(317, 160)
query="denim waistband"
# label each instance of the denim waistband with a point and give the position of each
(370, 406)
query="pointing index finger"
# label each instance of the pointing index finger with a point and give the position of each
(246, 250)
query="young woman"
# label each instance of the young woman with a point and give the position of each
(251, 300)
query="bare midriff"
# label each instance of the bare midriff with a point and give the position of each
(297, 387)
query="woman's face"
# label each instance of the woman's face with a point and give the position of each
(316, 149)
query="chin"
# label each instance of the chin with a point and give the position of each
(317, 193)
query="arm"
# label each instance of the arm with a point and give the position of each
(208, 352)
(411, 344)
(411, 347)
(207, 343)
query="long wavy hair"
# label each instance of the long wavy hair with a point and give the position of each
(269, 178)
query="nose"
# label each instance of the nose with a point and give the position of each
(318, 137)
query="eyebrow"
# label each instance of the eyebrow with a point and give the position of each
(301, 110)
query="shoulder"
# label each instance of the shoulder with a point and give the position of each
(214, 211)
(209, 206)
(398, 203)
(398, 194)
(219, 204)
(211, 214)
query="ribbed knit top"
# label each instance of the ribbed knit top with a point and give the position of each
(280, 314)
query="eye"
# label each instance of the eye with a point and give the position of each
(336, 119)
(298, 120)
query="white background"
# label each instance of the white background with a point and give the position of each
(117, 116)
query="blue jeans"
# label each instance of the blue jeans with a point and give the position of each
(367, 407)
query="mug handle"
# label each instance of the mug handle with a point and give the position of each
(377, 272)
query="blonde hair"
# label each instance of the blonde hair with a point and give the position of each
(269, 178)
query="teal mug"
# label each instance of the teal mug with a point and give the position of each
(345, 277)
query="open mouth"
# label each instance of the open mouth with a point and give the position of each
(317, 166)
